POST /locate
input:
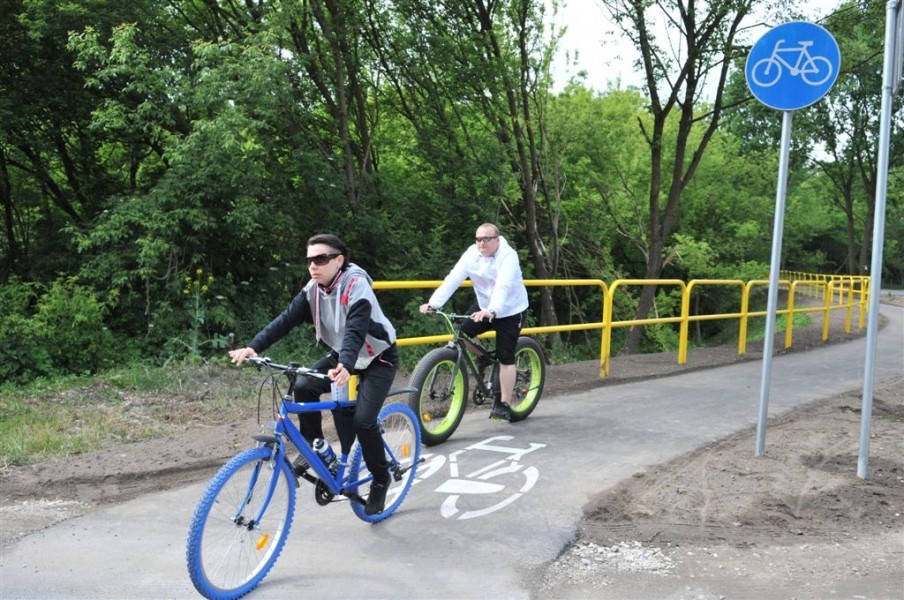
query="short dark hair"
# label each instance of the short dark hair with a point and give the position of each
(333, 242)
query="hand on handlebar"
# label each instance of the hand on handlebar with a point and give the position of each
(339, 375)
(481, 315)
(239, 355)
(426, 308)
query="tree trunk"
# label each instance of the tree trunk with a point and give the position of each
(706, 38)
(13, 252)
(646, 300)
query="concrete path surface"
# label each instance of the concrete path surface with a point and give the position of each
(490, 505)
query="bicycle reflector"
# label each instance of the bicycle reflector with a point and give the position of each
(262, 541)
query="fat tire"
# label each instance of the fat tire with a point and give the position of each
(530, 363)
(224, 558)
(401, 432)
(440, 410)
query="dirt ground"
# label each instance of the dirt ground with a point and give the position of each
(722, 523)
(715, 523)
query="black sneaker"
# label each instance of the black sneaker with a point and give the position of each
(501, 411)
(376, 500)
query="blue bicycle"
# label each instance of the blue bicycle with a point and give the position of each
(242, 520)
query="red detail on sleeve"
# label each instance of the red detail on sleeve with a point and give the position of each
(343, 299)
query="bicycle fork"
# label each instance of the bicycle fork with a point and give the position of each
(277, 450)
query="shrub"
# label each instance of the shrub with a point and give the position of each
(22, 355)
(57, 331)
(71, 324)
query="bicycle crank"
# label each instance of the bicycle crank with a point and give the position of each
(322, 493)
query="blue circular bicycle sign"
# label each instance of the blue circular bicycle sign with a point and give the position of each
(793, 65)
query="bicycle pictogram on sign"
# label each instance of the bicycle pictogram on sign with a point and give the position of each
(813, 70)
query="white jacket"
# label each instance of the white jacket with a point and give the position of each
(497, 280)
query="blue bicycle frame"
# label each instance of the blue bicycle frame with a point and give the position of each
(284, 428)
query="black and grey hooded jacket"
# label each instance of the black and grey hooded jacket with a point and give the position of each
(346, 317)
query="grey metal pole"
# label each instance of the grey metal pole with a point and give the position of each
(875, 286)
(776, 263)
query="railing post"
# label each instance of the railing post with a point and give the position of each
(683, 326)
(606, 351)
(745, 315)
(789, 320)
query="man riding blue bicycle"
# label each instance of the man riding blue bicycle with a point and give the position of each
(493, 268)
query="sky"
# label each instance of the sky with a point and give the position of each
(603, 52)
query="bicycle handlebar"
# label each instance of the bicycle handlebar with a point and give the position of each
(450, 316)
(292, 369)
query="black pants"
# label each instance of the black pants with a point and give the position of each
(361, 420)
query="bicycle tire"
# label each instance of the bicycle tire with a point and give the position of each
(439, 400)
(530, 376)
(226, 557)
(401, 435)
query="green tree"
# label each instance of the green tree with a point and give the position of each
(846, 126)
(487, 74)
(703, 36)
(49, 155)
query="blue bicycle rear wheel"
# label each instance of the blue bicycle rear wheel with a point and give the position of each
(402, 440)
(229, 549)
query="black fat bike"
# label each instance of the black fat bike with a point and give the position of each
(440, 380)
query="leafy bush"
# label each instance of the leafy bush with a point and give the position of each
(57, 331)
(71, 325)
(22, 356)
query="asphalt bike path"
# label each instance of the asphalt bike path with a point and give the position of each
(490, 506)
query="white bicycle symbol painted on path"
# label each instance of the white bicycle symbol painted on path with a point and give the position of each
(489, 487)
(813, 70)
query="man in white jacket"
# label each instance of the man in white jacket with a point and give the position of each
(493, 268)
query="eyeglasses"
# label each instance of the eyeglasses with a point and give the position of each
(486, 239)
(321, 259)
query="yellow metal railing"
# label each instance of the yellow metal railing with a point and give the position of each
(838, 292)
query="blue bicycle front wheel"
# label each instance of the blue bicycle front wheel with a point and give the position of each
(232, 545)
(402, 442)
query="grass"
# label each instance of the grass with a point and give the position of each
(82, 414)
(756, 327)
(72, 415)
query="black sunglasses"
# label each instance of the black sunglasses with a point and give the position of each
(321, 259)
(485, 239)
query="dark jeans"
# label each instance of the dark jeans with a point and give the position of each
(361, 420)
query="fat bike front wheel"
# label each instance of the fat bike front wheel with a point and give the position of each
(441, 395)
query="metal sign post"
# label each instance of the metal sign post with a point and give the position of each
(792, 66)
(891, 78)
(897, 44)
